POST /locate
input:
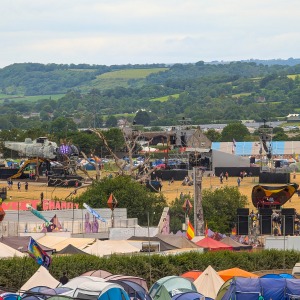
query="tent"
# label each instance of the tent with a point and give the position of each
(20, 243)
(97, 273)
(270, 288)
(141, 281)
(75, 282)
(235, 245)
(167, 241)
(108, 247)
(6, 251)
(212, 245)
(235, 272)
(134, 290)
(60, 242)
(209, 283)
(100, 290)
(281, 275)
(168, 286)
(41, 277)
(70, 249)
(188, 296)
(191, 275)
(176, 241)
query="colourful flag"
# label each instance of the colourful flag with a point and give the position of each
(190, 232)
(38, 254)
(206, 230)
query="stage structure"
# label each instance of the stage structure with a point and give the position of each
(265, 136)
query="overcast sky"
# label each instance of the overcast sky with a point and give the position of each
(147, 31)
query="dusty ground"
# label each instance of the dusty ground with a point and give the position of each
(170, 191)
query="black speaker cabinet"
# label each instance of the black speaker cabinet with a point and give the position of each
(288, 212)
(242, 225)
(242, 211)
(265, 211)
(265, 224)
(288, 225)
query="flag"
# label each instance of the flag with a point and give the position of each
(190, 232)
(233, 231)
(93, 212)
(233, 145)
(206, 230)
(38, 254)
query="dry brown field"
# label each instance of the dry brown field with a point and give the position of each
(171, 191)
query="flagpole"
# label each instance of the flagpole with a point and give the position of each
(149, 250)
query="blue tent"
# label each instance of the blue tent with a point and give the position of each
(133, 289)
(270, 288)
(189, 296)
(114, 293)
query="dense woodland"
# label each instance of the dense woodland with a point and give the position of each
(205, 93)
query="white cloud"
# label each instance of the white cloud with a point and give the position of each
(140, 31)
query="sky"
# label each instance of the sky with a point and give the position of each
(109, 32)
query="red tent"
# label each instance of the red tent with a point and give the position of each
(213, 245)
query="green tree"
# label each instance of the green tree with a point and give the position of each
(62, 125)
(236, 131)
(111, 121)
(213, 135)
(220, 205)
(142, 118)
(130, 194)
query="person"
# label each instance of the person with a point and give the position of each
(238, 181)
(226, 175)
(26, 186)
(64, 279)
(42, 196)
(19, 186)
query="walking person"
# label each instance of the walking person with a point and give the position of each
(238, 181)
(19, 186)
(26, 186)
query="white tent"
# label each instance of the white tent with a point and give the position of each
(60, 242)
(6, 251)
(40, 277)
(102, 248)
(209, 283)
(92, 288)
(75, 282)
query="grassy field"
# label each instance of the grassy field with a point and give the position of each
(293, 76)
(21, 98)
(170, 191)
(120, 78)
(165, 98)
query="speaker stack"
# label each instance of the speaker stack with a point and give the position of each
(288, 221)
(265, 220)
(242, 221)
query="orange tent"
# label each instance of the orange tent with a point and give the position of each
(191, 275)
(228, 274)
(212, 245)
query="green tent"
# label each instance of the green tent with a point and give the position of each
(166, 287)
